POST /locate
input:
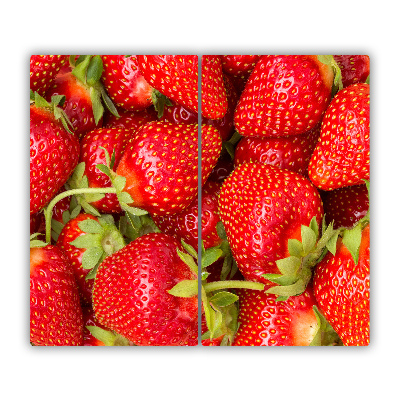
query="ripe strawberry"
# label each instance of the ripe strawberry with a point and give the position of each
(131, 295)
(129, 119)
(125, 83)
(346, 206)
(55, 314)
(287, 152)
(92, 154)
(239, 65)
(176, 76)
(225, 124)
(160, 165)
(54, 153)
(262, 207)
(355, 69)
(184, 225)
(341, 287)
(263, 321)
(214, 103)
(178, 114)
(43, 70)
(341, 157)
(76, 239)
(239, 68)
(284, 95)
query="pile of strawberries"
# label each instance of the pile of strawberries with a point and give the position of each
(279, 252)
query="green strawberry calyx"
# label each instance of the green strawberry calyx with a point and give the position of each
(88, 70)
(54, 107)
(296, 270)
(160, 101)
(101, 238)
(337, 80)
(108, 338)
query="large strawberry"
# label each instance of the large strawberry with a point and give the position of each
(341, 286)
(85, 241)
(263, 321)
(286, 152)
(125, 83)
(43, 71)
(341, 157)
(284, 95)
(176, 76)
(160, 165)
(130, 119)
(131, 293)
(54, 152)
(262, 207)
(55, 313)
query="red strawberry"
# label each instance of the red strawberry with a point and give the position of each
(239, 65)
(262, 207)
(346, 206)
(341, 287)
(131, 296)
(43, 70)
(55, 314)
(185, 224)
(176, 76)
(341, 157)
(54, 154)
(160, 165)
(214, 103)
(284, 95)
(355, 69)
(263, 321)
(103, 240)
(225, 124)
(92, 154)
(125, 83)
(287, 152)
(129, 119)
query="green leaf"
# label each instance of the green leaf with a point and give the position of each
(325, 335)
(103, 168)
(308, 239)
(289, 265)
(189, 249)
(133, 210)
(352, 240)
(188, 260)
(80, 70)
(283, 280)
(94, 71)
(223, 299)
(90, 226)
(91, 257)
(221, 230)
(97, 106)
(119, 183)
(108, 102)
(331, 245)
(295, 247)
(124, 197)
(86, 241)
(210, 256)
(314, 226)
(185, 288)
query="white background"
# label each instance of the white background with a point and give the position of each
(251, 27)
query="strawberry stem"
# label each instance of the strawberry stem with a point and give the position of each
(49, 210)
(211, 286)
